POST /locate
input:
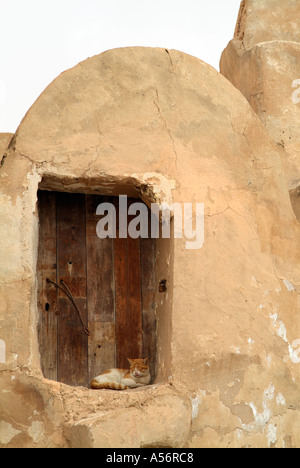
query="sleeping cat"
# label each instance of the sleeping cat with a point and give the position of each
(121, 379)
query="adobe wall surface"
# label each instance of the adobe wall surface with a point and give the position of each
(262, 61)
(171, 128)
(268, 20)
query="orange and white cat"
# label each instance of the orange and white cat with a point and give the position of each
(121, 379)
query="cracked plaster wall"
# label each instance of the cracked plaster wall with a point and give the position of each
(262, 62)
(167, 125)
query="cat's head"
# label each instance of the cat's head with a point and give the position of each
(139, 367)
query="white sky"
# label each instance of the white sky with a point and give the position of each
(42, 38)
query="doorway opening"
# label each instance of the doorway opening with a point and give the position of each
(113, 282)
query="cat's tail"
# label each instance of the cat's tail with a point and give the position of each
(108, 385)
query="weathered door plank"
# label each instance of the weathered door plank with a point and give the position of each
(100, 292)
(47, 297)
(71, 262)
(129, 333)
(149, 285)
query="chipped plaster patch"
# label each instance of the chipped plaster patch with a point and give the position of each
(161, 185)
(35, 430)
(280, 400)
(195, 406)
(2, 352)
(289, 285)
(7, 432)
(251, 342)
(294, 354)
(280, 327)
(261, 419)
(196, 401)
(271, 434)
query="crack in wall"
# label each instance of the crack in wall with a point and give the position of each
(166, 127)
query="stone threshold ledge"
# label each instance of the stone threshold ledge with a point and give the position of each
(77, 417)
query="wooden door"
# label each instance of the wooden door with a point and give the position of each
(113, 284)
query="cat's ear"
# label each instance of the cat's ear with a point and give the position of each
(130, 360)
(145, 360)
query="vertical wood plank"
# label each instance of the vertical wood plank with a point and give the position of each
(102, 347)
(129, 334)
(149, 285)
(100, 292)
(47, 293)
(120, 263)
(135, 328)
(71, 242)
(72, 348)
(100, 285)
(71, 262)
